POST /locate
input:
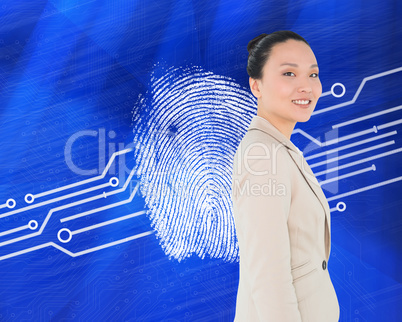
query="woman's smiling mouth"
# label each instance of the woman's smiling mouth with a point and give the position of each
(302, 103)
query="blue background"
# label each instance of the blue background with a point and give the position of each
(70, 66)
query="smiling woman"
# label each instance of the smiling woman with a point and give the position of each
(284, 238)
(289, 87)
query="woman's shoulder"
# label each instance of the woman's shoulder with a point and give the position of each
(259, 153)
(256, 141)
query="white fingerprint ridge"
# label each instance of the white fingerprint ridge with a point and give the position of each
(209, 113)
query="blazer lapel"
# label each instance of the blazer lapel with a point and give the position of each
(264, 125)
(315, 186)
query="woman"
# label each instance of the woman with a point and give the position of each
(281, 214)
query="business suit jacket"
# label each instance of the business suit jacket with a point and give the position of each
(283, 223)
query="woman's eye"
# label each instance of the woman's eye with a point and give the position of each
(289, 74)
(315, 75)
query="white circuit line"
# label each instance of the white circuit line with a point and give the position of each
(373, 186)
(43, 203)
(307, 136)
(90, 250)
(377, 156)
(347, 175)
(326, 93)
(82, 214)
(105, 223)
(334, 141)
(333, 107)
(337, 140)
(109, 164)
(383, 126)
(79, 202)
(7, 232)
(366, 117)
(351, 145)
(350, 136)
(4, 205)
(351, 154)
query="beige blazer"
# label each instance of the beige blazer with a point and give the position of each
(283, 227)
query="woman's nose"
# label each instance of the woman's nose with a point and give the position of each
(305, 87)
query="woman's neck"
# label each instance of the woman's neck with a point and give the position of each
(283, 126)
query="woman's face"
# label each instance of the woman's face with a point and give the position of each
(289, 81)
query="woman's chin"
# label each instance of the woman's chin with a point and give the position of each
(304, 118)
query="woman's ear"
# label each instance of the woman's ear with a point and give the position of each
(255, 87)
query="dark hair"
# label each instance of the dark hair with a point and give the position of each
(261, 46)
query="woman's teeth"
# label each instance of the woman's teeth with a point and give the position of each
(301, 102)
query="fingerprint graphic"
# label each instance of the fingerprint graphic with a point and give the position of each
(186, 131)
